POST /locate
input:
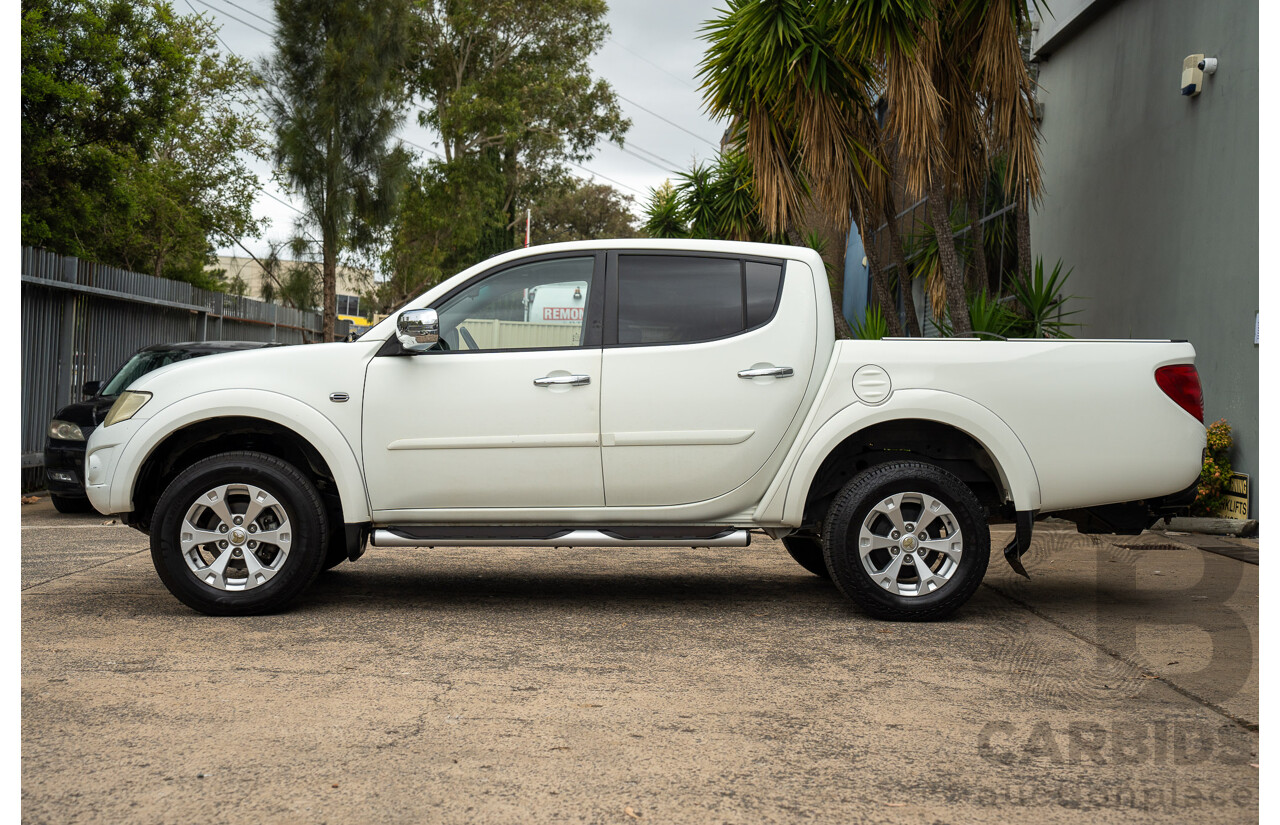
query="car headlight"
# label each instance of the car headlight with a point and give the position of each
(126, 405)
(65, 431)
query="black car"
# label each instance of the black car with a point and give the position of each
(71, 426)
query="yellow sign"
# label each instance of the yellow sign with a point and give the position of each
(1237, 493)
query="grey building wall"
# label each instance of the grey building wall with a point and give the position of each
(1151, 197)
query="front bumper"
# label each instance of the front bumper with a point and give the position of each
(102, 457)
(64, 468)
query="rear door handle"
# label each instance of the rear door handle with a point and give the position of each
(557, 380)
(771, 372)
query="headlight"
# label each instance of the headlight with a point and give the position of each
(126, 405)
(65, 431)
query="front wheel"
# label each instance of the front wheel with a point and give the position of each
(238, 534)
(906, 541)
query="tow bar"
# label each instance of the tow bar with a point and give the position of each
(1024, 522)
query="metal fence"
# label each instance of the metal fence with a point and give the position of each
(81, 321)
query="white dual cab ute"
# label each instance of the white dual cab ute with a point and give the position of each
(643, 393)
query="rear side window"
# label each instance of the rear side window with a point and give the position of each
(676, 299)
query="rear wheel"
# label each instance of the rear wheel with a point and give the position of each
(906, 541)
(239, 533)
(807, 551)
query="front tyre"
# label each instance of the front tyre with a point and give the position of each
(906, 541)
(239, 533)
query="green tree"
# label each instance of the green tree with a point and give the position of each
(134, 137)
(664, 213)
(336, 94)
(508, 84)
(581, 211)
(712, 200)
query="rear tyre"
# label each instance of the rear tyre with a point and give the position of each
(807, 551)
(70, 505)
(238, 534)
(906, 541)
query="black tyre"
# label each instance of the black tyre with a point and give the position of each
(238, 534)
(906, 541)
(807, 551)
(70, 505)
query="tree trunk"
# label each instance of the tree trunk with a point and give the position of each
(329, 277)
(1024, 239)
(952, 275)
(905, 280)
(880, 287)
(980, 278)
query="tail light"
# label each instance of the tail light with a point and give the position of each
(1181, 382)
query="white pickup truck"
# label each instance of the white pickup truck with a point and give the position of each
(687, 393)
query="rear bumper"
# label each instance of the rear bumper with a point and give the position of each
(1130, 517)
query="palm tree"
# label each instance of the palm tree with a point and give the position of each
(804, 78)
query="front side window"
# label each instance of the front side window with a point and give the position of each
(675, 299)
(532, 306)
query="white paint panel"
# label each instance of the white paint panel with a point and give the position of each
(470, 429)
(694, 392)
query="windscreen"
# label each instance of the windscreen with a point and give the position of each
(138, 366)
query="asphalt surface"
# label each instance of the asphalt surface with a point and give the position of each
(651, 685)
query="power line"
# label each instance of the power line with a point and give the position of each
(232, 16)
(651, 63)
(672, 122)
(606, 177)
(671, 168)
(653, 155)
(266, 20)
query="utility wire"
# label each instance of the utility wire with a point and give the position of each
(672, 122)
(651, 63)
(654, 155)
(670, 168)
(266, 20)
(232, 16)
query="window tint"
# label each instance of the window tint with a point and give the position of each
(542, 304)
(671, 299)
(764, 283)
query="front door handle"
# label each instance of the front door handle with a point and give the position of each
(558, 380)
(770, 372)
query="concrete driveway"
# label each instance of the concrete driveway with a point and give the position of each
(523, 685)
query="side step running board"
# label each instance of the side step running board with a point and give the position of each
(532, 536)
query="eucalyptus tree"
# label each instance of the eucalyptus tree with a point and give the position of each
(509, 83)
(336, 93)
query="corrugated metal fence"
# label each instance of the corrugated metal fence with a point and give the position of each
(81, 321)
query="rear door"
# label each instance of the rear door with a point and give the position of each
(706, 362)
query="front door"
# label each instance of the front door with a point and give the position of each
(510, 399)
(706, 362)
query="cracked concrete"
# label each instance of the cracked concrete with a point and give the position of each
(527, 685)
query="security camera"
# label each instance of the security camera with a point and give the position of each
(1209, 65)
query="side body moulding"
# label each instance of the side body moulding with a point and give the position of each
(279, 409)
(1017, 473)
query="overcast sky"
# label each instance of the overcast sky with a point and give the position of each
(650, 59)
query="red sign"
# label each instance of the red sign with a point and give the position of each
(562, 313)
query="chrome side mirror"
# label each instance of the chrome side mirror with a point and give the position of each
(418, 329)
